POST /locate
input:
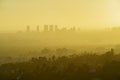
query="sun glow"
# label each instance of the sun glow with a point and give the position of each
(87, 14)
(113, 9)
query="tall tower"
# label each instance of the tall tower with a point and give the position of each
(51, 28)
(37, 28)
(28, 28)
(45, 28)
(74, 28)
(56, 28)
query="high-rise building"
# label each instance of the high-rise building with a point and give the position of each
(37, 28)
(28, 29)
(56, 28)
(51, 28)
(64, 29)
(74, 28)
(46, 28)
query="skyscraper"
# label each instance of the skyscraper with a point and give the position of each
(51, 28)
(74, 28)
(28, 28)
(37, 28)
(56, 28)
(46, 28)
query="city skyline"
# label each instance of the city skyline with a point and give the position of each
(56, 28)
(95, 14)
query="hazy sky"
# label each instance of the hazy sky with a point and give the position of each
(16, 14)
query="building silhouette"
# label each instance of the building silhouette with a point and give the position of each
(51, 28)
(28, 29)
(74, 28)
(64, 29)
(46, 29)
(37, 28)
(56, 28)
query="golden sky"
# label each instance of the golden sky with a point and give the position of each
(16, 14)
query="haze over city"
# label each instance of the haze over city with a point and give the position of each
(86, 14)
(59, 40)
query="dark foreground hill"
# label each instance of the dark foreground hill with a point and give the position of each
(74, 67)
